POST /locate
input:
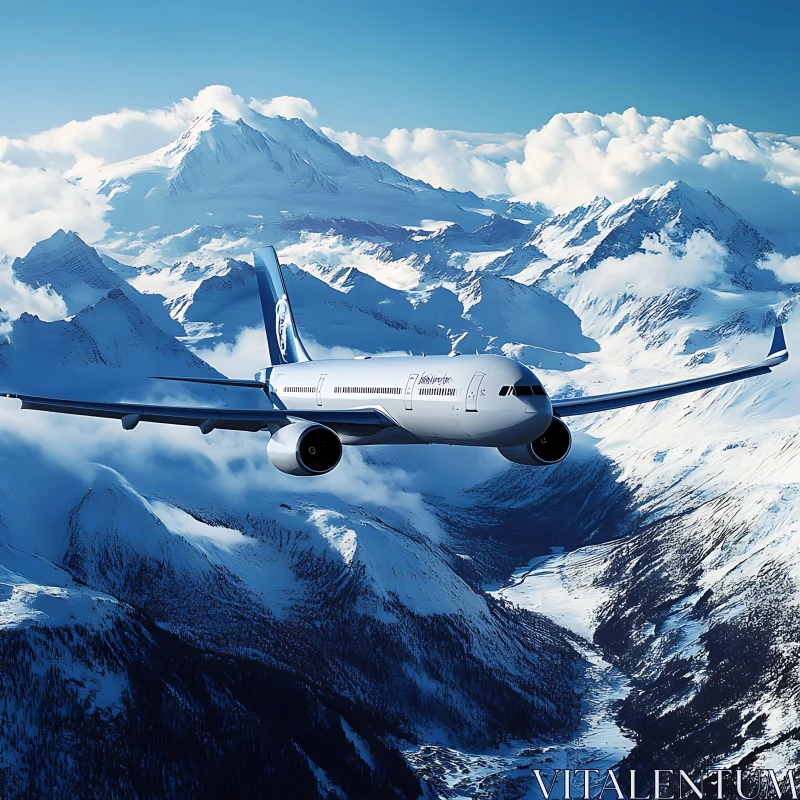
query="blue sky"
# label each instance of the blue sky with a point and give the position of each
(373, 66)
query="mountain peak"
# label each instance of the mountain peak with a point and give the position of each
(212, 130)
(65, 262)
(210, 117)
(672, 212)
(79, 275)
(60, 239)
(674, 190)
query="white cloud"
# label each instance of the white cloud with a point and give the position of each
(106, 138)
(16, 297)
(103, 139)
(286, 106)
(785, 269)
(576, 157)
(35, 202)
(569, 160)
(243, 358)
(229, 464)
(656, 270)
(248, 353)
(445, 159)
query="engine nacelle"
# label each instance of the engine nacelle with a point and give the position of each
(304, 448)
(550, 448)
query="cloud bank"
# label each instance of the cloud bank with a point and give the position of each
(569, 160)
(576, 157)
(35, 202)
(786, 269)
(242, 358)
(16, 297)
(39, 187)
(445, 159)
(80, 145)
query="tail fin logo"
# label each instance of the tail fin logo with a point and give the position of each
(283, 322)
(283, 340)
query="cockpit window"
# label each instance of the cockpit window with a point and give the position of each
(523, 391)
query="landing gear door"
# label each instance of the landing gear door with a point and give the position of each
(474, 391)
(319, 389)
(412, 379)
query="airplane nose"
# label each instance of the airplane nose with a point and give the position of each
(538, 405)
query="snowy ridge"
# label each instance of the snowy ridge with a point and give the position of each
(233, 172)
(583, 238)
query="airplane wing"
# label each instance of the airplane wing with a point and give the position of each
(208, 419)
(606, 402)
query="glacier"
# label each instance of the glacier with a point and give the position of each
(416, 623)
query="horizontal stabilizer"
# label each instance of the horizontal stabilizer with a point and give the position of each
(217, 381)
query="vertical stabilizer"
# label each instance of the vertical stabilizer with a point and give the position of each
(283, 339)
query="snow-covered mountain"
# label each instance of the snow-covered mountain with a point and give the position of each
(78, 274)
(422, 621)
(364, 596)
(584, 237)
(223, 172)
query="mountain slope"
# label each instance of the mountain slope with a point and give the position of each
(224, 172)
(584, 237)
(78, 274)
(222, 305)
(108, 350)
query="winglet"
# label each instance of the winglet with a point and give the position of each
(778, 347)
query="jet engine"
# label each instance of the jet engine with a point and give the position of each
(550, 448)
(304, 448)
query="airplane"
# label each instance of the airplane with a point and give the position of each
(480, 400)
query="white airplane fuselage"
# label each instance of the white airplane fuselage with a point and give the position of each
(455, 400)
